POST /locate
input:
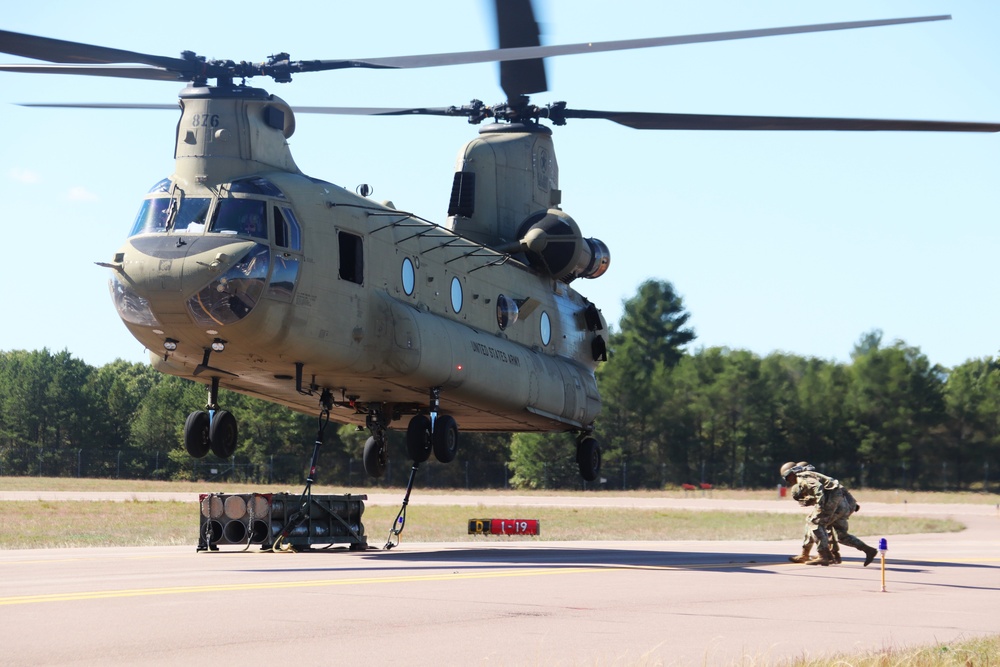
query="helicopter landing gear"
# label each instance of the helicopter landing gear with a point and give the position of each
(436, 433)
(442, 440)
(418, 438)
(588, 457)
(211, 429)
(445, 439)
(425, 434)
(196, 438)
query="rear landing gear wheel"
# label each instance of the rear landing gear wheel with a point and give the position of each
(445, 438)
(375, 457)
(223, 434)
(588, 456)
(196, 436)
(418, 438)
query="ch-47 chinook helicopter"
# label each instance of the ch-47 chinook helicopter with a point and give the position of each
(242, 272)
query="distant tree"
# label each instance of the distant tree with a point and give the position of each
(896, 400)
(543, 461)
(633, 382)
(972, 403)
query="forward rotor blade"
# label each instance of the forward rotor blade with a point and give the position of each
(340, 111)
(119, 71)
(532, 52)
(100, 105)
(61, 51)
(683, 121)
(517, 28)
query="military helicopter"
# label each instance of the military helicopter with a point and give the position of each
(242, 272)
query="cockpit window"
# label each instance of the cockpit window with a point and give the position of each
(231, 297)
(192, 215)
(156, 214)
(162, 186)
(256, 186)
(152, 216)
(246, 217)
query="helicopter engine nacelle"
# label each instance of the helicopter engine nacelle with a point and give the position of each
(553, 243)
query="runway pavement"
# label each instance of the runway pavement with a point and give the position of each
(501, 603)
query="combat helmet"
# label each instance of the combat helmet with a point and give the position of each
(787, 469)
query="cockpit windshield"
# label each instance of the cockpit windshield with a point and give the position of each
(152, 217)
(168, 209)
(192, 215)
(247, 217)
(158, 215)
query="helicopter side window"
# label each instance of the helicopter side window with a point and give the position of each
(246, 217)
(286, 229)
(152, 216)
(352, 262)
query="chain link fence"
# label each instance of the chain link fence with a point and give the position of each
(287, 469)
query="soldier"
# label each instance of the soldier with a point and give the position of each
(810, 538)
(832, 506)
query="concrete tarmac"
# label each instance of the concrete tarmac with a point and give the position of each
(508, 602)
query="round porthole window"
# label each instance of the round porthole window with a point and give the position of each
(409, 276)
(456, 295)
(545, 328)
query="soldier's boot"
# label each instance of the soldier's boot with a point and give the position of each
(802, 557)
(835, 555)
(824, 558)
(870, 553)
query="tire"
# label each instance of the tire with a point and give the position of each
(374, 458)
(444, 439)
(223, 434)
(418, 438)
(588, 456)
(196, 439)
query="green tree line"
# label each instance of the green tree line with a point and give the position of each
(672, 415)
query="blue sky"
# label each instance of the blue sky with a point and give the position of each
(798, 242)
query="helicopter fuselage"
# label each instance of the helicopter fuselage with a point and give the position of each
(243, 270)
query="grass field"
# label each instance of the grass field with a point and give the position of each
(50, 524)
(86, 484)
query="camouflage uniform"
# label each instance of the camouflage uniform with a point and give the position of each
(832, 506)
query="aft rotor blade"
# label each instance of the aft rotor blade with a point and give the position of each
(62, 51)
(683, 121)
(517, 28)
(378, 111)
(530, 52)
(119, 71)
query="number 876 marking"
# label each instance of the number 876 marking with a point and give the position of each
(205, 120)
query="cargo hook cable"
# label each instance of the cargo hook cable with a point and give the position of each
(400, 522)
(305, 499)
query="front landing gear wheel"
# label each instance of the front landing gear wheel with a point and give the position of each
(196, 437)
(588, 456)
(445, 438)
(375, 457)
(418, 438)
(223, 434)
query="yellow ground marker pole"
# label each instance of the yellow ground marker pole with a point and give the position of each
(883, 546)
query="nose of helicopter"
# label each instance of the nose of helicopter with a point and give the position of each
(214, 280)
